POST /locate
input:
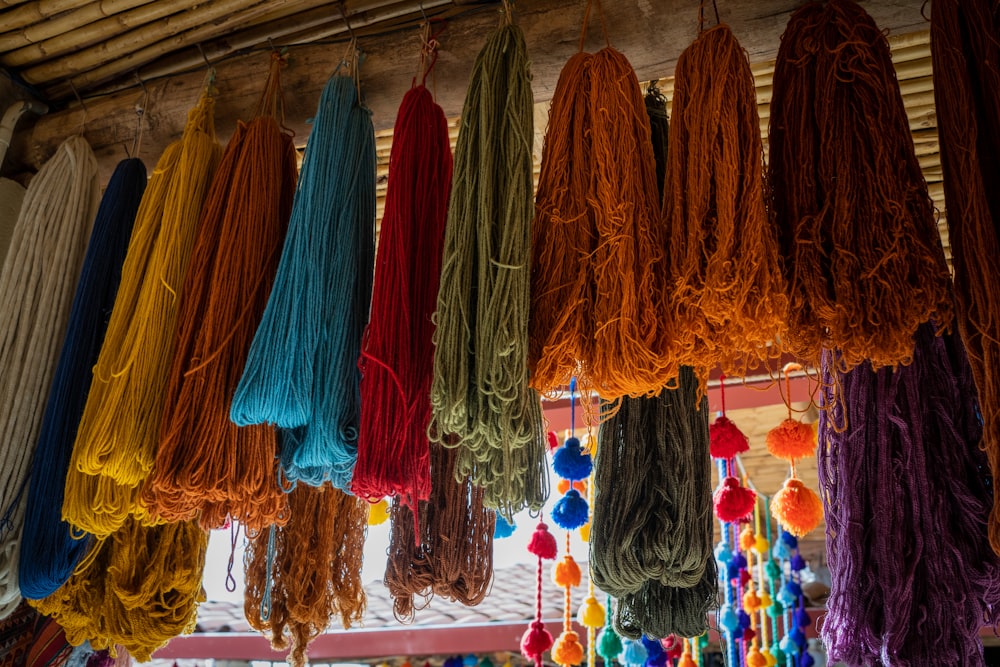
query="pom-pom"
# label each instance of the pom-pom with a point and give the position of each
(535, 641)
(789, 539)
(781, 551)
(566, 573)
(726, 440)
(789, 594)
(503, 528)
(609, 645)
(755, 658)
(791, 440)
(656, 656)
(776, 609)
(744, 620)
(744, 578)
(802, 618)
(571, 511)
(453, 661)
(567, 649)
(733, 502)
(747, 539)
(486, 662)
(378, 513)
(543, 543)
(797, 637)
(751, 602)
(777, 654)
(797, 507)
(470, 660)
(797, 563)
(748, 635)
(806, 660)
(564, 485)
(723, 554)
(789, 647)
(672, 645)
(773, 571)
(633, 652)
(761, 545)
(771, 662)
(571, 462)
(591, 614)
(765, 602)
(552, 439)
(585, 532)
(686, 661)
(728, 618)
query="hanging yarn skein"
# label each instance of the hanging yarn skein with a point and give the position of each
(302, 369)
(397, 355)
(729, 299)
(119, 429)
(49, 552)
(310, 571)
(965, 54)
(480, 398)
(37, 283)
(863, 257)
(907, 494)
(206, 466)
(597, 239)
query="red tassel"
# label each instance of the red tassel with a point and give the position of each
(543, 543)
(726, 440)
(535, 641)
(733, 502)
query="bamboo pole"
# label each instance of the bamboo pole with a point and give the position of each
(26, 13)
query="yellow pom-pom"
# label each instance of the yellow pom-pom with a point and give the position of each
(747, 539)
(591, 614)
(755, 658)
(750, 601)
(765, 601)
(378, 513)
(585, 532)
(797, 507)
(771, 660)
(566, 572)
(761, 545)
(791, 440)
(567, 649)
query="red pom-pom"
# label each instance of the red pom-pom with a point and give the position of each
(791, 440)
(733, 502)
(673, 646)
(567, 573)
(744, 578)
(725, 439)
(797, 507)
(553, 440)
(535, 641)
(567, 649)
(748, 635)
(543, 543)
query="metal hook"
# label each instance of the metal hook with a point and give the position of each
(347, 21)
(210, 69)
(86, 112)
(420, 5)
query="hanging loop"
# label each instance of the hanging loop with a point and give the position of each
(586, 20)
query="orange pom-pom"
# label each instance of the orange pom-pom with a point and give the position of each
(750, 601)
(791, 440)
(686, 660)
(566, 572)
(580, 485)
(747, 539)
(797, 507)
(755, 658)
(567, 649)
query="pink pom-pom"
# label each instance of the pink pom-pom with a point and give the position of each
(543, 543)
(791, 440)
(535, 641)
(797, 507)
(725, 439)
(733, 502)
(673, 646)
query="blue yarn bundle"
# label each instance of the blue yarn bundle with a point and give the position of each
(49, 553)
(302, 370)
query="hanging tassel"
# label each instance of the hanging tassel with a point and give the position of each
(49, 552)
(37, 282)
(567, 649)
(862, 252)
(480, 398)
(536, 639)
(609, 644)
(206, 466)
(314, 573)
(119, 429)
(907, 497)
(729, 302)
(965, 54)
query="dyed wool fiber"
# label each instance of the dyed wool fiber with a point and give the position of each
(480, 398)
(137, 589)
(397, 356)
(49, 551)
(653, 466)
(37, 283)
(597, 238)
(657, 610)
(906, 496)
(206, 467)
(117, 435)
(862, 253)
(308, 571)
(729, 299)
(452, 557)
(302, 370)
(966, 54)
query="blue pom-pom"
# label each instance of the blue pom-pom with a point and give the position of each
(744, 620)
(789, 539)
(788, 646)
(503, 528)
(570, 462)
(571, 511)
(806, 660)
(454, 661)
(633, 653)
(798, 637)
(781, 550)
(723, 554)
(728, 618)
(802, 618)
(470, 660)
(797, 562)
(740, 560)
(789, 594)
(655, 655)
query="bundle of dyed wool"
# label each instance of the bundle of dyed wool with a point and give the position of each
(205, 465)
(37, 283)
(49, 551)
(138, 589)
(300, 575)
(302, 369)
(118, 431)
(598, 243)
(862, 253)
(480, 398)
(452, 556)
(659, 610)
(729, 300)
(966, 54)
(653, 466)
(397, 355)
(907, 496)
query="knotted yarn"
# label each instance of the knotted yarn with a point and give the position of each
(480, 398)
(397, 354)
(862, 253)
(907, 495)
(310, 572)
(302, 369)
(965, 53)
(729, 301)
(206, 466)
(37, 284)
(49, 551)
(117, 436)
